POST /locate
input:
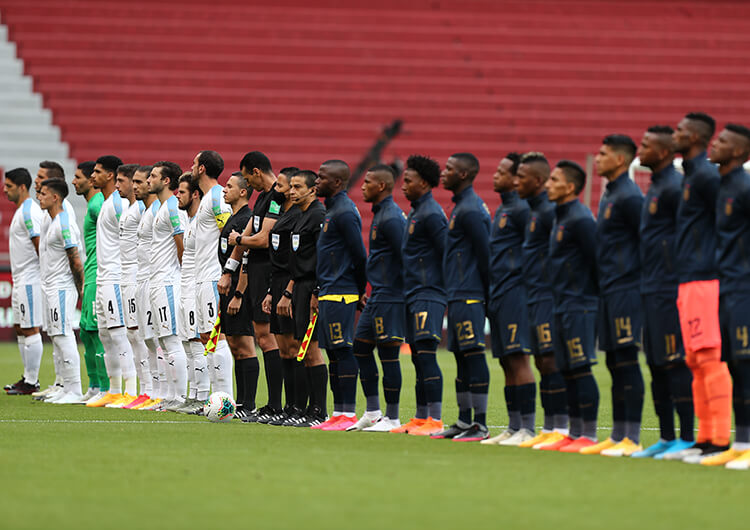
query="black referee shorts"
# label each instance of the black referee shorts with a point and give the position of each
(239, 324)
(258, 279)
(280, 325)
(301, 308)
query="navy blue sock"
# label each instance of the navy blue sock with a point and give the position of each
(511, 404)
(347, 372)
(557, 398)
(662, 402)
(618, 398)
(479, 384)
(368, 372)
(544, 399)
(391, 378)
(333, 376)
(419, 390)
(741, 399)
(588, 400)
(633, 391)
(432, 377)
(526, 395)
(681, 391)
(574, 411)
(463, 396)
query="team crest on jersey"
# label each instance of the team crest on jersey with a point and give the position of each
(608, 211)
(374, 234)
(503, 221)
(560, 230)
(728, 207)
(411, 227)
(275, 241)
(295, 242)
(653, 206)
(224, 244)
(452, 223)
(532, 224)
(256, 223)
(686, 193)
(325, 225)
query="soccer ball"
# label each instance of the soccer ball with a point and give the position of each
(219, 407)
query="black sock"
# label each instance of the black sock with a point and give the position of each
(527, 405)
(391, 378)
(318, 387)
(558, 398)
(239, 378)
(681, 390)
(274, 379)
(662, 401)
(348, 370)
(544, 399)
(433, 378)
(368, 372)
(511, 404)
(463, 395)
(588, 400)
(574, 411)
(633, 391)
(287, 367)
(333, 377)
(618, 397)
(479, 383)
(251, 371)
(301, 386)
(419, 390)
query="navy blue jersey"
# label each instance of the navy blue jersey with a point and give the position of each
(695, 242)
(658, 228)
(572, 258)
(506, 241)
(422, 251)
(341, 253)
(384, 266)
(536, 248)
(733, 231)
(617, 235)
(467, 248)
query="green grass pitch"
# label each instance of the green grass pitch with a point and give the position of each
(66, 466)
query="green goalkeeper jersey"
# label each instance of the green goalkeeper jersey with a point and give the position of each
(89, 237)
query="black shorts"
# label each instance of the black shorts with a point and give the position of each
(466, 321)
(239, 324)
(280, 325)
(620, 320)
(509, 323)
(336, 316)
(662, 337)
(575, 339)
(382, 323)
(301, 308)
(734, 320)
(541, 318)
(258, 280)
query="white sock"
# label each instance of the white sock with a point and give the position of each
(190, 371)
(33, 354)
(21, 342)
(140, 358)
(153, 366)
(71, 362)
(56, 360)
(178, 364)
(120, 343)
(224, 368)
(201, 369)
(111, 361)
(164, 378)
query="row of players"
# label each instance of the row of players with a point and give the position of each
(547, 274)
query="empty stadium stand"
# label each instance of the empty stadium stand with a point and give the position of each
(307, 81)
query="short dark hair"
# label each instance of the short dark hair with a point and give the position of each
(109, 163)
(54, 170)
(341, 165)
(144, 169)
(534, 156)
(87, 168)
(213, 163)
(738, 129)
(256, 159)
(660, 129)
(426, 168)
(56, 186)
(470, 161)
(621, 143)
(127, 170)
(574, 173)
(288, 171)
(516, 159)
(242, 183)
(707, 125)
(309, 176)
(171, 171)
(384, 168)
(192, 184)
(20, 177)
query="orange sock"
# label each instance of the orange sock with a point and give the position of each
(700, 401)
(718, 384)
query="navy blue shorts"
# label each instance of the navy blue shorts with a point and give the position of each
(336, 324)
(466, 326)
(662, 337)
(424, 321)
(509, 323)
(620, 320)
(541, 318)
(574, 334)
(734, 320)
(382, 323)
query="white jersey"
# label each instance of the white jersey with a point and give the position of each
(24, 261)
(108, 264)
(165, 264)
(67, 208)
(60, 235)
(145, 237)
(187, 277)
(212, 214)
(129, 222)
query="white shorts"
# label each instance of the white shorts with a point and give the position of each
(164, 308)
(187, 329)
(130, 299)
(28, 305)
(206, 305)
(143, 311)
(109, 309)
(61, 307)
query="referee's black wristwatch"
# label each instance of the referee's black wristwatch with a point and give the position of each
(287, 294)
(239, 294)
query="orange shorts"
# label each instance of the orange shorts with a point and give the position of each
(698, 305)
